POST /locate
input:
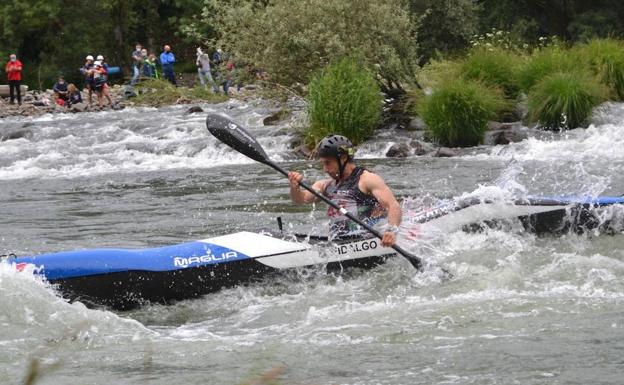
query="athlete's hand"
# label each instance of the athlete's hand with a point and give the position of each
(294, 178)
(389, 239)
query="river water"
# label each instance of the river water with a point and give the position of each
(520, 309)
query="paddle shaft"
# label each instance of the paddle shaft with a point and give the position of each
(414, 260)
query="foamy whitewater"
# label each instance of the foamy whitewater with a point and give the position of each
(520, 309)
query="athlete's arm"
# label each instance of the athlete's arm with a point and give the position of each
(373, 184)
(303, 196)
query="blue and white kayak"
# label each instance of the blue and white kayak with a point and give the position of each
(126, 278)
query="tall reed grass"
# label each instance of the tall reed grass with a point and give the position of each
(343, 99)
(457, 112)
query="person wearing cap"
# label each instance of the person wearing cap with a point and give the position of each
(13, 70)
(167, 59)
(87, 72)
(356, 189)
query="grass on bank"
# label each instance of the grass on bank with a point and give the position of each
(457, 112)
(543, 63)
(158, 92)
(343, 99)
(605, 58)
(565, 100)
(493, 67)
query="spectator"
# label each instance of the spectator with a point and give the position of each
(203, 70)
(137, 64)
(150, 63)
(86, 71)
(167, 59)
(60, 91)
(100, 58)
(73, 95)
(14, 75)
(146, 68)
(99, 83)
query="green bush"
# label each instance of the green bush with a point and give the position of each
(159, 92)
(545, 62)
(564, 100)
(606, 59)
(293, 39)
(457, 113)
(343, 99)
(494, 67)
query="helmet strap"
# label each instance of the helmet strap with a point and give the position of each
(341, 166)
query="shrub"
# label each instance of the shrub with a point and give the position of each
(564, 100)
(343, 99)
(293, 39)
(544, 62)
(494, 67)
(606, 59)
(457, 113)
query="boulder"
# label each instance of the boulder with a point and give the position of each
(398, 150)
(15, 134)
(194, 110)
(303, 151)
(78, 107)
(275, 117)
(445, 152)
(417, 147)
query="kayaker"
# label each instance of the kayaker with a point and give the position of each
(360, 191)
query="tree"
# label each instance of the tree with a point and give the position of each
(293, 39)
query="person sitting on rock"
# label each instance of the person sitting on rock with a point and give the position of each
(73, 95)
(60, 91)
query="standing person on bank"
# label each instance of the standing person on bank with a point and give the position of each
(356, 189)
(14, 75)
(167, 59)
(137, 64)
(203, 70)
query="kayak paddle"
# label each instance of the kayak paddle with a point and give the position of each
(235, 136)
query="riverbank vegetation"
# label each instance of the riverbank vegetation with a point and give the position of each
(345, 99)
(159, 92)
(548, 63)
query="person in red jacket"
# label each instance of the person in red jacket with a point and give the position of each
(14, 75)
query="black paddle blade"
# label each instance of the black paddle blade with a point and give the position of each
(234, 135)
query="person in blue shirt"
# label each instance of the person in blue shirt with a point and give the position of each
(166, 61)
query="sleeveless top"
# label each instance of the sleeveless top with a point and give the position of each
(363, 206)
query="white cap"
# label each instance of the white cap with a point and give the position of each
(97, 63)
(89, 57)
(100, 57)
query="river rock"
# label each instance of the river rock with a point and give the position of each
(398, 150)
(508, 133)
(78, 107)
(418, 147)
(15, 134)
(304, 151)
(445, 152)
(194, 110)
(276, 117)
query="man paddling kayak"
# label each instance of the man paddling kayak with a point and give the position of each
(359, 191)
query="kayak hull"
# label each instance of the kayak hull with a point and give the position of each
(123, 279)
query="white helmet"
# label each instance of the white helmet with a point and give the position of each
(97, 63)
(100, 57)
(89, 57)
